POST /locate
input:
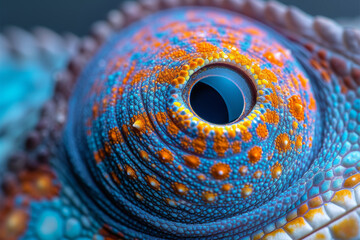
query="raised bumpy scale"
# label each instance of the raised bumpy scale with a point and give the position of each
(196, 123)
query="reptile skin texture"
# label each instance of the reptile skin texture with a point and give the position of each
(120, 152)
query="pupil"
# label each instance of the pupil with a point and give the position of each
(217, 96)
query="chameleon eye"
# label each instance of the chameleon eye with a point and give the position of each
(180, 128)
(221, 93)
(197, 123)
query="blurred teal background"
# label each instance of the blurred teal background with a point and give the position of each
(77, 15)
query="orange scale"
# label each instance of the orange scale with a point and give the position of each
(14, 223)
(227, 187)
(236, 147)
(243, 170)
(221, 145)
(130, 172)
(199, 145)
(283, 143)
(153, 183)
(209, 197)
(180, 189)
(246, 191)
(276, 170)
(220, 171)
(255, 154)
(144, 155)
(296, 107)
(165, 156)
(99, 156)
(191, 161)
(262, 131)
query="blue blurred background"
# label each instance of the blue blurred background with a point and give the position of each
(77, 15)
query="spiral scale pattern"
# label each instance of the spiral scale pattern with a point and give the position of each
(156, 165)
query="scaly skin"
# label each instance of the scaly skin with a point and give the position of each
(135, 162)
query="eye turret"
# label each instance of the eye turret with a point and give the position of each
(190, 123)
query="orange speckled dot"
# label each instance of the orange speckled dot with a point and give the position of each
(226, 187)
(99, 156)
(125, 130)
(167, 75)
(200, 61)
(262, 131)
(312, 103)
(130, 172)
(271, 117)
(201, 177)
(221, 145)
(231, 132)
(276, 170)
(180, 80)
(153, 182)
(185, 142)
(161, 117)
(273, 99)
(243, 170)
(191, 161)
(115, 136)
(257, 174)
(295, 125)
(246, 135)
(180, 189)
(254, 154)
(209, 197)
(115, 177)
(246, 191)
(272, 58)
(165, 156)
(171, 202)
(95, 110)
(14, 225)
(139, 196)
(303, 80)
(205, 47)
(268, 75)
(236, 146)
(220, 171)
(184, 73)
(172, 128)
(282, 143)
(298, 142)
(107, 148)
(296, 107)
(139, 125)
(199, 145)
(144, 155)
